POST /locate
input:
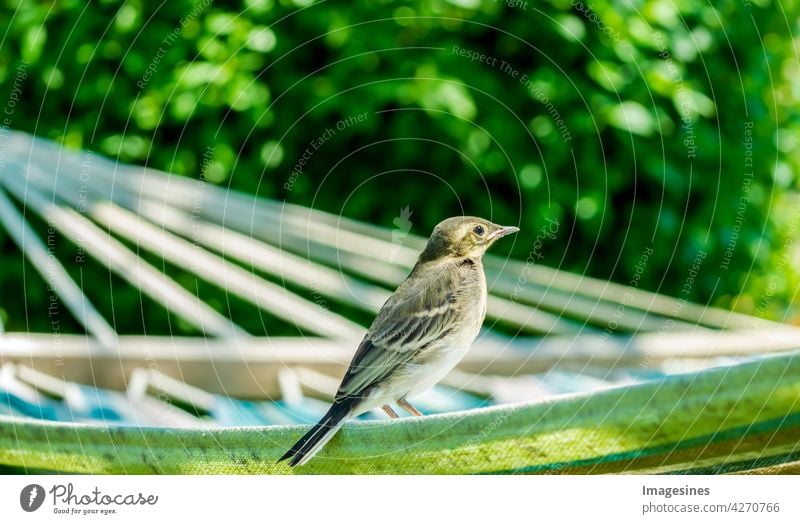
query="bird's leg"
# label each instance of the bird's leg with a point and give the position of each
(389, 411)
(403, 403)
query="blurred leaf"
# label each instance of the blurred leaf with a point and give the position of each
(632, 117)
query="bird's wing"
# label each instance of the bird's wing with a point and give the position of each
(420, 312)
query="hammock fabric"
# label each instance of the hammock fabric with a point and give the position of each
(740, 418)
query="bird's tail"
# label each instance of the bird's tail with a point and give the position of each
(308, 446)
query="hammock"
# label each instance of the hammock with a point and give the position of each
(739, 418)
(601, 377)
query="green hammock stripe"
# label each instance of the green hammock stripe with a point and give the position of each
(717, 446)
(602, 427)
(781, 459)
(788, 468)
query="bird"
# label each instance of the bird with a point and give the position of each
(419, 334)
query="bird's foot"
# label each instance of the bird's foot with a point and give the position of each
(389, 411)
(403, 403)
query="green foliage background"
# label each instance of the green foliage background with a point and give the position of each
(655, 95)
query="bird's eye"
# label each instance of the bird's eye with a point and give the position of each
(478, 230)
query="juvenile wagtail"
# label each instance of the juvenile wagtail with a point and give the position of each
(422, 331)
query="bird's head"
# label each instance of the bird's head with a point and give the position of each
(463, 237)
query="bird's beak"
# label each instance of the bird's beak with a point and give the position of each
(503, 231)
